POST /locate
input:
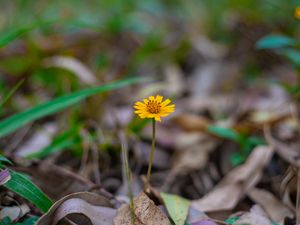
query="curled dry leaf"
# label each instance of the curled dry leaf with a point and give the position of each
(237, 183)
(146, 213)
(94, 207)
(273, 207)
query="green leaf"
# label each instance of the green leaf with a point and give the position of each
(11, 35)
(232, 220)
(177, 207)
(6, 221)
(224, 132)
(61, 142)
(136, 125)
(28, 190)
(4, 160)
(275, 41)
(18, 120)
(292, 55)
(237, 158)
(29, 221)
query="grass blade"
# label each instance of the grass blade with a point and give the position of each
(28, 190)
(18, 120)
(11, 93)
(11, 35)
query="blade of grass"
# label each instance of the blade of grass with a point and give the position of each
(10, 93)
(18, 120)
(28, 190)
(11, 35)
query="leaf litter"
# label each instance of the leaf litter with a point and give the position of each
(228, 155)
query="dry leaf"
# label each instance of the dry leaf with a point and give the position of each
(273, 207)
(232, 188)
(91, 205)
(256, 216)
(146, 212)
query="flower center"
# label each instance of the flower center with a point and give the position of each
(153, 107)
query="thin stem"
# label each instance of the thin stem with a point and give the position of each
(152, 151)
(128, 174)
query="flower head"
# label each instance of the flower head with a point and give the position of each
(154, 107)
(297, 12)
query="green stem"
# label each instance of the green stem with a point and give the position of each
(152, 151)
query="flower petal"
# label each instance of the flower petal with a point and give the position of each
(166, 102)
(157, 118)
(139, 103)
(159, 98)
(140, 107)
(151, 98)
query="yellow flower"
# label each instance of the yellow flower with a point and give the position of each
(297, 12)
(154, 107)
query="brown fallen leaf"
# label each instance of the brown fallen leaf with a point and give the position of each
(94, 207)
(273, 207)
(237, 183)
(124, 217)
(146, 212)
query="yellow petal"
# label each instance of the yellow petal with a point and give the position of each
(139, 103)
(157, 118)
(146, 101)
(138, 111)
(139, 107)
(159, 98)
(151, 98)
(166, 102)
